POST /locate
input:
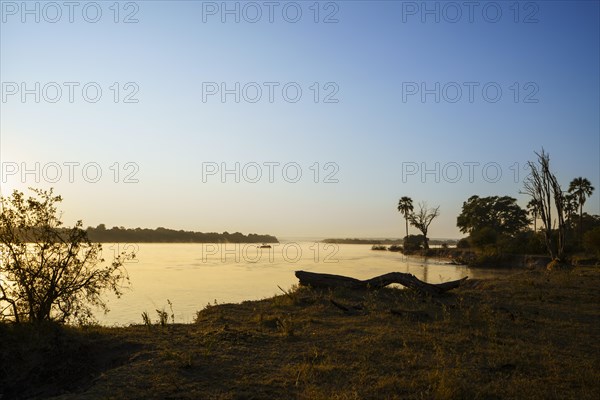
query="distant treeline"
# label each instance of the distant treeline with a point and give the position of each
(385, 241)
(164, 235)
(363, 241)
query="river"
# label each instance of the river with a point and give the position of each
(193, 275)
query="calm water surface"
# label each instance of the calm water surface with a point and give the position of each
(193, 275)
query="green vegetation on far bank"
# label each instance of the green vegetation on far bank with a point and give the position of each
(530, 335)
(362, 241)
(498, 228)
(434, 242)
(482, 258)
(164, 235)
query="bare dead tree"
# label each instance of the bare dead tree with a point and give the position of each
(544, 189)
(422, 218)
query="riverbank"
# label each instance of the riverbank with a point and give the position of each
(475, 259)
(478, 259)
(432, 242)
(531, 335)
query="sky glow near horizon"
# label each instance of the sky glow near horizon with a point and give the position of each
(432, 100)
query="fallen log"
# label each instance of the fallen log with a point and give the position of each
(327, 281)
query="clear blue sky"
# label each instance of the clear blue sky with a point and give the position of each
(373, 61)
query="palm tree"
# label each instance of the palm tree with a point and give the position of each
(581, 188)
(405, 206)
(534, 209)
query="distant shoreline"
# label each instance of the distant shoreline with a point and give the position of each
(164, 235)
(386, 241)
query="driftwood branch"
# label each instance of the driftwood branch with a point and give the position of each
(318, 280)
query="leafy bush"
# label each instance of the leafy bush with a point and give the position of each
(413, 242)
(463, 244)
(591, 241)
(483, 237)
(51, 273)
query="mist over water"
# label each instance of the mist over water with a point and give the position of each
(193, 275)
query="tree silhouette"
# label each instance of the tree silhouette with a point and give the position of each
(502, 215)
(543, 187)
(581, 188)
(405, 206)
(422, 219)
(49, 272)
(571, 205)
(534, 209)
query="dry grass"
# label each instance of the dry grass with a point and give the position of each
(534, 335)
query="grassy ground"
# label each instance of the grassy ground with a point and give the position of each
(534, 335)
